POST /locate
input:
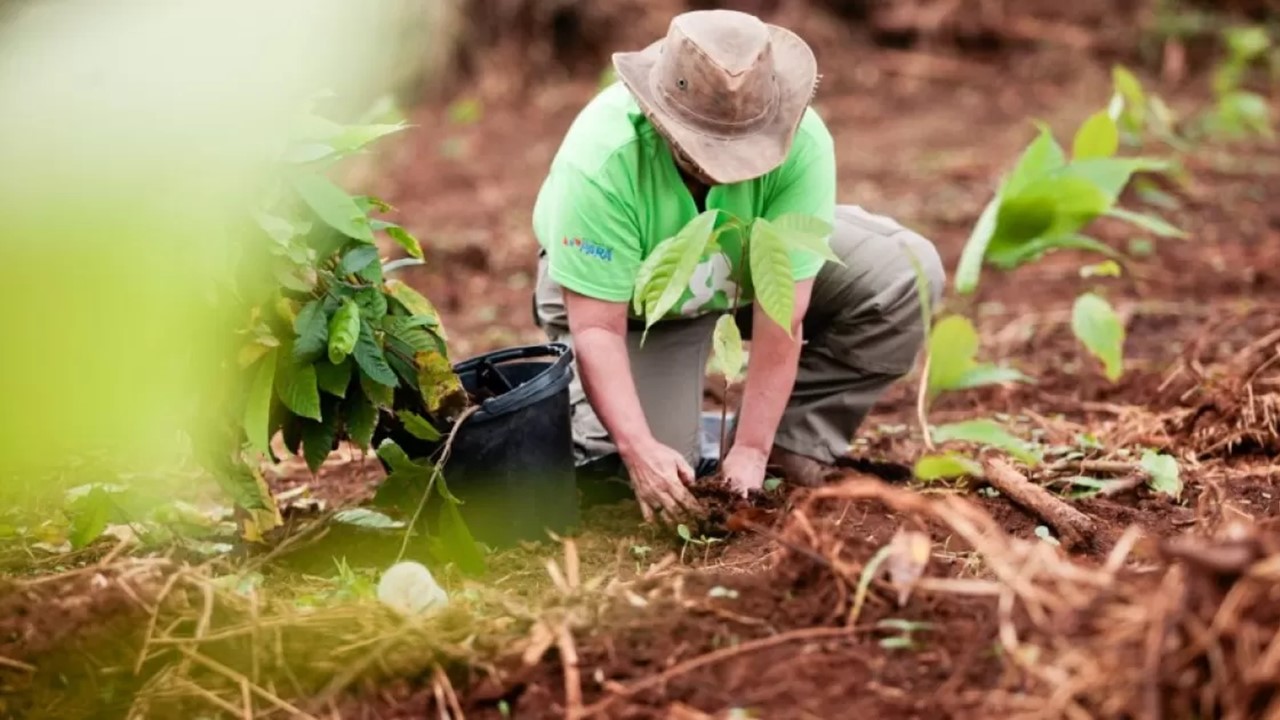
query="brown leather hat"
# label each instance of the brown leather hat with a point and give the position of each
(726, 89)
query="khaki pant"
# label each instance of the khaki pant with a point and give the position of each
(862, 332)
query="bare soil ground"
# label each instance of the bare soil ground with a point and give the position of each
(1148, 618)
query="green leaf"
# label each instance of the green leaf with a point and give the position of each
(975, 248)
(409, 332)
(318, 439)
(953, 347)
(405, 483)
(982, 375)
(366, 518)
(953, 344)
(415, 304)
(405, 240)
(297, 388)
(1098, 137)
(312, 331)
(1163, 473)
(344, 331)
(1111, 175)
(1096, 324)
(771, 273)
(382, 396)
(334, 379)
(1150, 223)
(257, 411)
(807, 232)
(1130, 90)
(92, 514)
(373, 305)
(683, 531)
(291, 433)
(246, 487)
(1042, 156)
(362, 419)
(372, 274)
(1014, 256)
(456, 542)
(442, 488)
(1106, 268)
(396, 458)
(334, 206)
(355, 137)
(988, 433)
(942, 467)
(438, 384)
(669, 282)
(727, 343)
(654, 274)
(357, 259)
(417, 426)
(370, 358)
(1052, 206)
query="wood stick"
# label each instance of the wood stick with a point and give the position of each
(1074, 526)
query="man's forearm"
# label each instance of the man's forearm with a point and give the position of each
(606, 378)
(771, 374)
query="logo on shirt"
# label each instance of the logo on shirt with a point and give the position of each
(589, 249)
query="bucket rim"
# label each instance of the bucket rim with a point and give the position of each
(545, 384)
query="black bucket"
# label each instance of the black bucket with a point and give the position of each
(511, 463)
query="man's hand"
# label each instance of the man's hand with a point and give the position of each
(744, 469)
(658, 476)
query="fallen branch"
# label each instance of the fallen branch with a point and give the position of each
(1074, 526)
(1111, 467)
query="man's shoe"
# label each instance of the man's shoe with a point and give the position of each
(802, 470)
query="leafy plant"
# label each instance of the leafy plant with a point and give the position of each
(759, 255)
(1044, 204)
(1138, 113)
(906, 629)
(688, 539)
(1239, 113)
(1162, 472)
(330, 344)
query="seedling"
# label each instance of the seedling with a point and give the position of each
(640, 553)
(1043, 205)
(706, 542)
(327, 337)
(1239, 113)
(759, 255)
(905, 639)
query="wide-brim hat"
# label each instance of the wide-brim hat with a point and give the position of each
(726, 89)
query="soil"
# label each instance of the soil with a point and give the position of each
(921, 135)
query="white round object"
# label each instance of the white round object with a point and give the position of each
(410, 589)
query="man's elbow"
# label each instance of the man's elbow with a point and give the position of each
(590, 316)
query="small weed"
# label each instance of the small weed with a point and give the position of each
(706, 542)
(905, 639)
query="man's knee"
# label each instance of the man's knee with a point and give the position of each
(875, 314)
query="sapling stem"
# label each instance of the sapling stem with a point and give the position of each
(922, 404)
(733, 310)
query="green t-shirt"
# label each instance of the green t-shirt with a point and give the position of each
(614, 193)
